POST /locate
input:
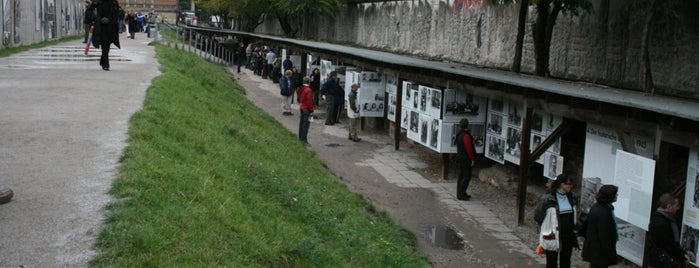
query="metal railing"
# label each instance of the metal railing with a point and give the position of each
(203, 44)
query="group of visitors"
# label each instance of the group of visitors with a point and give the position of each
(106, 19)
(560, 228)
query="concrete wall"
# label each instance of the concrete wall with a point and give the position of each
(31, 21)
(600, 47)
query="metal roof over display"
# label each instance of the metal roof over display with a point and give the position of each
(682, 108)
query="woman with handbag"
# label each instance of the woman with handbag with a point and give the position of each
(557, 235)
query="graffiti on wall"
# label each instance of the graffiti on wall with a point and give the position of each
(461, 5)
(18, 19)
(6, 22)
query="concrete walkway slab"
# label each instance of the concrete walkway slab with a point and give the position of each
(63, 125)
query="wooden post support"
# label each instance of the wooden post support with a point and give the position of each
(524, 162)
(445, 166)
(399, 115)
(304, 62)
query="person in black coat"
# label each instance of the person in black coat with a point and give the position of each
(602, 233)
(466, 154)
(664, 233)
(105, 18)
(560, 197)
(315, 86)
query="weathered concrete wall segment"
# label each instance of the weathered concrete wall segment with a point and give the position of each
(600, 47)
(32, 21)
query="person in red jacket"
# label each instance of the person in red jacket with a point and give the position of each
(306, 107)
(466, 155)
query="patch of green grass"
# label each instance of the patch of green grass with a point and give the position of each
(210, 180)
(12, 50)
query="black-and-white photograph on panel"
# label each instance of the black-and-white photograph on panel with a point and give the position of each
(424, 99)
(690, 241)
(371, 96)
(555, 148)
(391, 83)
(552, 121)
(513, 145)
(391, 107)
(459, 104)
(408, 88)
(588, 193)
(449, 130)
(495, 125)
(478, 134)
(434, 107)
(326, 67)
(405, 118)
(536, 140)
(435, 134)
(497, 106)
(413, 129)
(416, 100)
(514, 114)
(538, 122)
(424, 128)
(495, 148)
(553, 166)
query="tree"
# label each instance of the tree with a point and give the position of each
(546, 15)
(293, 16)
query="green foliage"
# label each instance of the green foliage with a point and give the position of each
(210, 180)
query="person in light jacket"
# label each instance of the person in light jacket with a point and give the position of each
(560, 197)
(353, 113)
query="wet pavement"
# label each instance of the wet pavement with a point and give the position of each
(63, 124)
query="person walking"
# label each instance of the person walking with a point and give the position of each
(560, 199)
(329, 89)
(240, 55)
(353, 113)
(105, 16)
(286, 89)
(602, 234)
(87, 21)
(315, 86)
(306, 107)
(248, 53)
(132, 24)
(466, 155)
(664, 235)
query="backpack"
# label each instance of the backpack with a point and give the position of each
(541, 206)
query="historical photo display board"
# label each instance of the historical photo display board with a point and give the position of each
(371, 96)
(391, 82)
(495, 129)
(689, 238)
(605, 160)
(457, 105)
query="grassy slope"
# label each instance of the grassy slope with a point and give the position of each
(208, 180)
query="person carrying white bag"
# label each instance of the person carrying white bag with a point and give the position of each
(556, 215)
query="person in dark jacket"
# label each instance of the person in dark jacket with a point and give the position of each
(306, 107)
(240, 55)
(87, 21)
(329, 89)
(466, 155)
(132, 23)
(664, 234)
(602, 233)
(287, 64)
(315, 85)
(560, 197)
(296, 83)
(286, 89)
(339, 100)
(105, 16)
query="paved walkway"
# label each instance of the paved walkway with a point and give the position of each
(63, 123)
(502, 247)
